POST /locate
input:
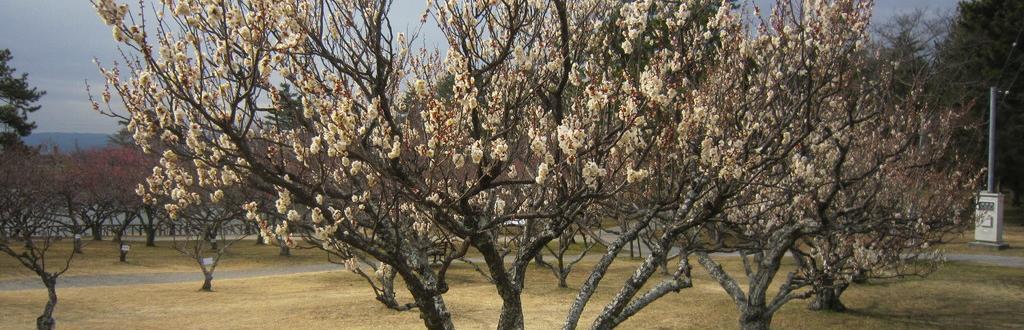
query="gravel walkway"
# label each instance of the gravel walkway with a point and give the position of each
(31, 283)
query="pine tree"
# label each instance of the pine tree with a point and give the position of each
(289, 113)
(17, 100)
(986, 46)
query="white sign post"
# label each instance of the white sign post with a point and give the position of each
(207, 261)
(988, 228)
(126, 247)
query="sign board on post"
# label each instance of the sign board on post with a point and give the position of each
(207, 261)
(126, 247)
(78, 236)
(988, 228)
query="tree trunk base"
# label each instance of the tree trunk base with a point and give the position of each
(97, 233)
(756, 319)
(827, 302)
(45, 322)
(434, 313)
(511, 317)
(755, 325)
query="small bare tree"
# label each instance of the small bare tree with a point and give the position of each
(570, 248)
(30, 224)
(202, 223)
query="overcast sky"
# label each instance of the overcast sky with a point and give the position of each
(55, 41)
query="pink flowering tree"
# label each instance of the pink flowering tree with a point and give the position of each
(99, 190)
(96, 194)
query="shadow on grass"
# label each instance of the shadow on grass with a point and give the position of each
(951, 305)
(956, 313)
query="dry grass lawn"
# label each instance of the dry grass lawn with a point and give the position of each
(959, 296)
(101, 257)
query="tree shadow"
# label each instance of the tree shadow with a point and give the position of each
(950, 316)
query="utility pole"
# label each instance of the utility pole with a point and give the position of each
(992, 140)
(988, 211)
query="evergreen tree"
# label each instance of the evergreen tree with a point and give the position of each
(986, 49)
(123, 137)
(17, 100)
(289, 112)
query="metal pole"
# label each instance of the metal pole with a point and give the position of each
(992, 140)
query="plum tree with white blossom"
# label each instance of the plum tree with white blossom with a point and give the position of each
(680, 116)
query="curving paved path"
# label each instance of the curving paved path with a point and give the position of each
(1004, 261)
(80, 281)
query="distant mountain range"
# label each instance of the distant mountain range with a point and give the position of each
(68, 142)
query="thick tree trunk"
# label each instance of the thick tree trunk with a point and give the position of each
(511, 303)
(434, 312)
(755, 318)
(97, 232)
(827, 296)
(755, 324)
(827, 299)
(150, 236)
(511, 312)
(46, 321)
(423, 287)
